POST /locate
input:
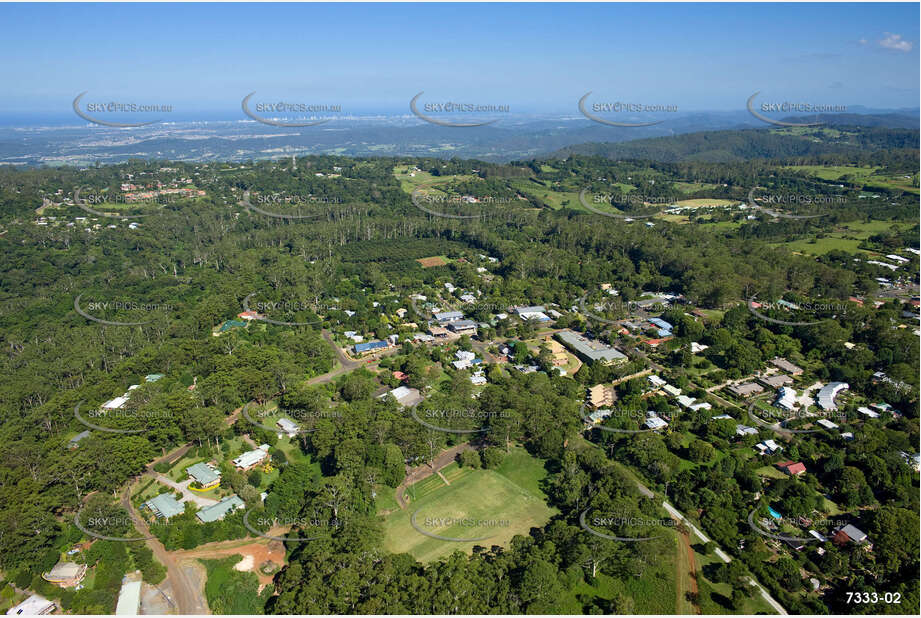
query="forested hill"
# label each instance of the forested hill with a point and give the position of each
(725, 146)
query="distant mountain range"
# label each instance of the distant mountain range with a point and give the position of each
(526, 138)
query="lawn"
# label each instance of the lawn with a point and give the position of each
(847, 237)
(714, 597)
(510, 494)
(706, 201)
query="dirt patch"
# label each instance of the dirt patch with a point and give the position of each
(429, 262)
(254, 554)
(246, 564)
(685, 545)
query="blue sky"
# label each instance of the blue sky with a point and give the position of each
(535, 57)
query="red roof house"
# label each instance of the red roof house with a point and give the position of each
(791, 468)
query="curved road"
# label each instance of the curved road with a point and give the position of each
(186, 597)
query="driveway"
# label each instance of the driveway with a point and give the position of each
(187, 493)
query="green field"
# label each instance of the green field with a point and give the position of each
(866, 176)
(847, 237)
(511, 493)
(706, 201)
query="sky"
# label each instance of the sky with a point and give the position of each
(539, 57)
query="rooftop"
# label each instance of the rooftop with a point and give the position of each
(217, 511)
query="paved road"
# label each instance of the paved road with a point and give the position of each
(186, 596)
(723, 556)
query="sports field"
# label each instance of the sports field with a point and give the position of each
(508, 498)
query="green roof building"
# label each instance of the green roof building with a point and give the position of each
(204, 474)
(165, 506)
(217, 511)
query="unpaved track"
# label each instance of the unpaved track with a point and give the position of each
(186, 596)
(414, 475)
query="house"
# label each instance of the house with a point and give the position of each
(250, 459)
(656, 381)
(370, 346)
(746, 390)
(827, 424)
(744, 430)
(655, 423)
(399, 375)
(405, 396)
(153, 377)
(218, 511)
(768, 447)
(697, 348)
(527, 313)
(590, 351)
(288, 427)
(785, 365)
(116, 404)
(601, 396)
(868, 412)
(424, 338)
(598, 415)
(684, 401)
(250, 315)
(912, 459)
(827, 394)
(75, 441)
(129, 597)
(203, 474)
(449, 316)
(701, 406)
(850, 534)
(786, 399)
(35, 605)
(462, 327)
(721, 417)
(817, 536)
(664, 327)
(438, 332)
(164, 506)
(557, 352)
(464, 355)
(791, 468)
(775, 381)
(477, 380)
(674, 391)
(65, 574)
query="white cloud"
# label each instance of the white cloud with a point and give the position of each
(862, 41)
(894, 41)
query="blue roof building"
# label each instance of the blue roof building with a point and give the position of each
(360, 348)
(662, 324)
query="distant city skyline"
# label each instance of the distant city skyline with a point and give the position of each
(536, 58)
